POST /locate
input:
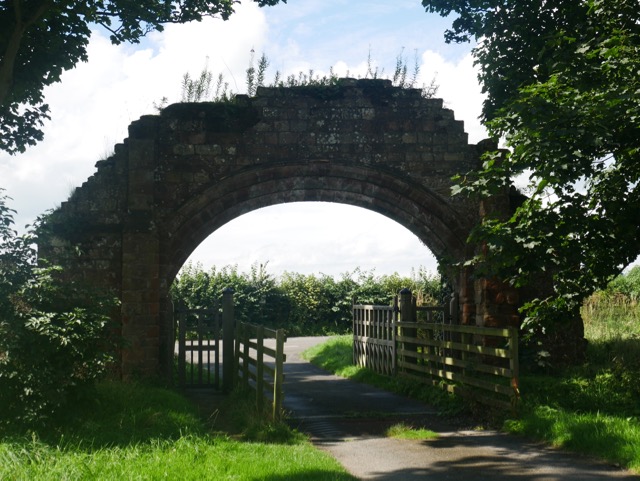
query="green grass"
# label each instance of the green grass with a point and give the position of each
(610, 437)
(403, 431)
(593, 408)
(130, 431)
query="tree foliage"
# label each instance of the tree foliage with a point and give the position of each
(563, 90)
(40, 39)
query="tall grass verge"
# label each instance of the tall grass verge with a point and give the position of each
(130, 431)
(593, 408)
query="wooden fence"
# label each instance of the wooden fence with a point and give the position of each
(477, 362)
(374, 337)
(462, 359)
(265, 376)
(199, 333)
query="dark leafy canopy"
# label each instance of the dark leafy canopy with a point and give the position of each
(40, 39)
(562, 80)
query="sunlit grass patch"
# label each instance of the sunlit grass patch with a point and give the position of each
(613, 438)
(131, 431)
(404, 431)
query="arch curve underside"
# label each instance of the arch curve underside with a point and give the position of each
(422, 212)
(182, 174)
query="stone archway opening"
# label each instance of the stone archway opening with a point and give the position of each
(315, 238)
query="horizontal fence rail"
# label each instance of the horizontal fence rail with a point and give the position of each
(421, 343)
(259, 366)
(479, 362)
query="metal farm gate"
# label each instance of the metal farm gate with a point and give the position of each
(199, 346)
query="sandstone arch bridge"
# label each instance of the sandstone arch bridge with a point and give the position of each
(181, 175)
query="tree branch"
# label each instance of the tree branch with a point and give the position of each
(13, 45)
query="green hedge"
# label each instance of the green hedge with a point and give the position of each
(303, 304)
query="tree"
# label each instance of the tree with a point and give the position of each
(563, 91)
(40, 39)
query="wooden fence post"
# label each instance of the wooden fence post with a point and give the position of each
(514, 366)
(260, 369)
(394, 335)
(182, 362)
(246, 346)
(228, 329)
(279, 375)
(406, 315)
(454, 317)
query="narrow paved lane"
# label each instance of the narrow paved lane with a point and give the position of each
(348, 420)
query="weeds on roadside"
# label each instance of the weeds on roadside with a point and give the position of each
(593, 408)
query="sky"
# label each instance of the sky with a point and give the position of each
(94, 103)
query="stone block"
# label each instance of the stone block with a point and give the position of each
(183, 149)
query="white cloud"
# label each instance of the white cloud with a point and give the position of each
(335, 239)
(458, 87)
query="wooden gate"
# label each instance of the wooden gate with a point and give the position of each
(374, 337)
(260, 366)
(199, 343)
(425, 344)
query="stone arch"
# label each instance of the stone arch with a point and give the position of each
(422, 212)
(182, 174)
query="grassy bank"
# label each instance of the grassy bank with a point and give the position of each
(593, 408)
(128, 431)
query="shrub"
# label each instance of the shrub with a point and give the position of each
(626, 284)
(53, 335)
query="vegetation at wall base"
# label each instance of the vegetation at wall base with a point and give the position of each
(54, 334)
(593, 408)
(135, 431)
